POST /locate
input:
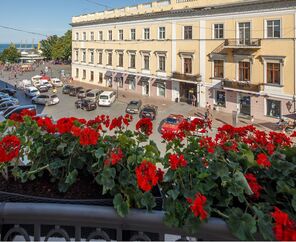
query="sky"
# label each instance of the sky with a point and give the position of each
(46, 17)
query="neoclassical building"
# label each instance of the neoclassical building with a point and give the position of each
(237, 55)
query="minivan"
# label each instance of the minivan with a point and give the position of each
(107, 98)
(94, 94)
(32, 92)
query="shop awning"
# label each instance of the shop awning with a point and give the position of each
(108, 74)
(144, 79)
(160, 81)
(130, 77)
(119, 75)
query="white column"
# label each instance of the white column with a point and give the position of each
(175, 85)
(202, 62)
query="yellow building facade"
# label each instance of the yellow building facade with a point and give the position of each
(235, 55)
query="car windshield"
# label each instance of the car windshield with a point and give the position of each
(171, 120)
(150, 110)
(90, 95)
(134, 103)
(33, 91)
(104, 97)
(54, 96)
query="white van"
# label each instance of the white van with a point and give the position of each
(31, 92)
(36, 80)
(56, 82)
(44, 82)
(24, 84)
(107, 98)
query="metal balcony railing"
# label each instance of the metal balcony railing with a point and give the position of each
(242, 43)
(246, 86)
(186, 77)
(44, 221)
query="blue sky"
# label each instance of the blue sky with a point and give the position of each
(47, 17)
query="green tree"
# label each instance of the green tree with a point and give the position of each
(10, 54)
(47, 46)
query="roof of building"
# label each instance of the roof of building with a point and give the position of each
(249, 6)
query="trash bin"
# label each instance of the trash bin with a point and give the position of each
(177, 100)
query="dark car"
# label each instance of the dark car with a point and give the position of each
(43, 89)
(134, 106)
(86, 104)
(19, 109)
(9, 91)
(149, 111)
(66, 89)
(74, 91)
(82, 93)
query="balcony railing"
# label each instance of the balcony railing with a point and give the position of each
(243, 43)
(41, 222)
(246, 86)
(186, 77)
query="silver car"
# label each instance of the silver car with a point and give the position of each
(5, 105)
(45, 99)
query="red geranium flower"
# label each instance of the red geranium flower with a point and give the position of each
(9, 148)
(64, 125)
(284, 228)
(262, 160)
(145, 125)
(208, 143)
(19, 117)
(197, 206)
(255, 187)
(177, 161)
(147, 175)
(115, 156)
(88, 136)
(75, 131)
(46, 123)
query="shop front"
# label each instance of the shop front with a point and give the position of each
(108, 78)
(245, 104)
(145, 83)
(188, 92)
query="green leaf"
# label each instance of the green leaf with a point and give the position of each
(294, 203)
(242, 225)
(124, 178)
(148, 201)
(61, 147)
(264, 224)
(71, 177)
(107, 179)
(99, 153)
(249, 156)
(173, 194)
(240, 178)
(120, 205)
(56, 164)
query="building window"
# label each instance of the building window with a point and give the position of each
(273, 108)
(109, 62)
(91, 57)
(76, 55)
(161, 63)
(77, 36)
(187, 65)
(161, 34)
(84, 56)
(84, 35)
(220, 99)
(273, 28)
(110, 34)
(100, 77)
(133, 34)
(146, 33)
(92, 36)
(132, 84)
(100, 35)
(187, 32)
(100, 58)
(120, 59)
(161, 90)
(219, 68)
(244, 71)
(91, 76)
(218, 31)
(146, 62)
(84, 75)
(132, 61)
(120, 34)
(120, 82)
(274, 73)
(77, 73)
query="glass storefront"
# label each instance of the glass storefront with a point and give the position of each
(187, 92)
(220, 98)
(273, 108)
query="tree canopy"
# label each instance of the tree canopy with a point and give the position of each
(10, 54)
(58, 48)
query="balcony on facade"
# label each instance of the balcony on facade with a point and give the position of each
(241, 86)
(186, 77)
(242, 44)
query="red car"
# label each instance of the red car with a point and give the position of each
(172, 122)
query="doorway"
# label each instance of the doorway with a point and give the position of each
(245, 105)
(145, 88)
(244, 33)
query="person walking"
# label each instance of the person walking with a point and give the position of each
(193, 100)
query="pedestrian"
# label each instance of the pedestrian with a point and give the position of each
(252, 119)
(193, 100)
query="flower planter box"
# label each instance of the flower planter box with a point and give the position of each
(39, 221)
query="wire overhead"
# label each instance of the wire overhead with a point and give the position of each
(24, 31)
(99, 4)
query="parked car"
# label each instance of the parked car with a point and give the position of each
(86, 104)
(172, 122)
(74, 91)
(46, 100)
(82, 93)
(9, 91)
(11, 99)
(66, 89)
(24, 83)
(4, 112)
(149, 111)
(134, 106)
(107, 98)
(31, 92)
(5, 105)
(94, 94)
(45, 82)
(200, 131)
(56, 82)
(2, 94)
(43, 89)
(19, 109)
